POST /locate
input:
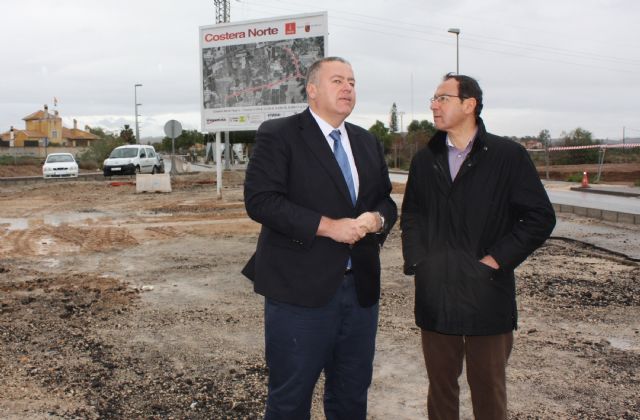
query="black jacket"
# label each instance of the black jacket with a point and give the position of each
(495, 206)
(292, 180)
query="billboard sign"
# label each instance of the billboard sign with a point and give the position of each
(254, 71)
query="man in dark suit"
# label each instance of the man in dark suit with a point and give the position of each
(321, 190)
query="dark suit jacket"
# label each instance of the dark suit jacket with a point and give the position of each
(292, 180)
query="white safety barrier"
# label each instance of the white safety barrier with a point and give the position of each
(153, 183)
(595, 146)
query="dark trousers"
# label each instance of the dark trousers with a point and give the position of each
(300, 343)
(486, 358)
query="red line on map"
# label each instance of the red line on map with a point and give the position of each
(296, 63)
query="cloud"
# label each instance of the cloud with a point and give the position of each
(544, 64)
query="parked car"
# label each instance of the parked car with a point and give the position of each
(133, 159)
(60, 165)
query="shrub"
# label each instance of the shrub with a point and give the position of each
(97, 152)
(20, 160)
(90, 165)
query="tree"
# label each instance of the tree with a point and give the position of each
(425, 126)
(418, 135)
(184, 141)
(127, 136)
(98, 150)
(381, 133)
(393, 120)
(580, 137)
(545, 138)
(413, 126)
(98, 131)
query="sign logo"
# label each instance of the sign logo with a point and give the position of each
(290, 28)
(307, 27)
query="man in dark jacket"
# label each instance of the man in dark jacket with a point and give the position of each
(474, 209)
(321, 190)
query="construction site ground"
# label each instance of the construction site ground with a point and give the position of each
(122, 305)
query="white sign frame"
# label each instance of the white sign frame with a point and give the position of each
(253, 71)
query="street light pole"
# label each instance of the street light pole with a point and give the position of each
(457, 32)
(135, 100)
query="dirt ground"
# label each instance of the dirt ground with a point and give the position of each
(7, 171)
(117, 305)
(622, 173)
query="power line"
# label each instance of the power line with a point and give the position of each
(406, 30)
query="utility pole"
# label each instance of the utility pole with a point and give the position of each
(135, 100)
(223, 11)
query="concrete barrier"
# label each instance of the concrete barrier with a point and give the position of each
(153, 183)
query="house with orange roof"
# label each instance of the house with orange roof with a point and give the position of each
(45, 128)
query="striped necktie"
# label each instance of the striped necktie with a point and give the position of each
(343, 162)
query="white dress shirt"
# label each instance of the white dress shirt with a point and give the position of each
(326, 129)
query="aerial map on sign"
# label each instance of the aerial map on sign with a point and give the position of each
(258, 74)
(254, 71)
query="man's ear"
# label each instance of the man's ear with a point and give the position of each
(311, 91)
(470, 105)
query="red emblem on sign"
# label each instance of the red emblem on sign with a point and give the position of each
(290, 28)
(307, 28)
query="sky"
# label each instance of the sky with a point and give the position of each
(549, 64)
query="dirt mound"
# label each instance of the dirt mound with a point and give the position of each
(7, 171)
(628, 173)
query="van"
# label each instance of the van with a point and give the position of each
(133, 159)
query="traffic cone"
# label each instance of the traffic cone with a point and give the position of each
(585, 180)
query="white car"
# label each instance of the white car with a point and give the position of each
(133, 159)
(60, 165)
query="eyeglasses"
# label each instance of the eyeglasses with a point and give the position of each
(442, 99)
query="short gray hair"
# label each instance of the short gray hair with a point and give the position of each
(312, 73)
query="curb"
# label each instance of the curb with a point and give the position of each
(606, 215)
(606, 192)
